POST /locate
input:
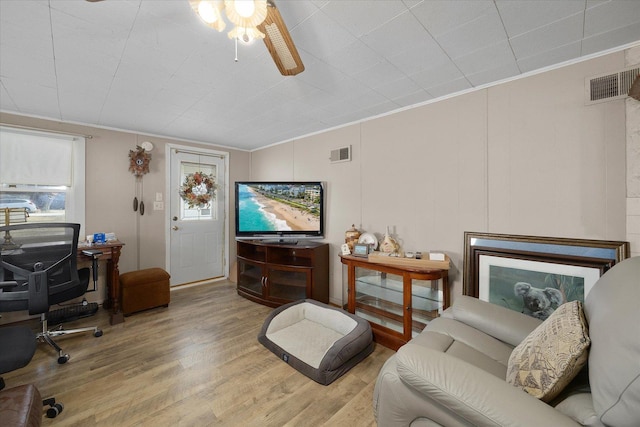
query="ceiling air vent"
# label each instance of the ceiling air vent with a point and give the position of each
(607, 87)
(341, 155)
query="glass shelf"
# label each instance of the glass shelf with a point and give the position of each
(389, 287)
(380, 320)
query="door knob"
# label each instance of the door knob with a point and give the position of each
(175, 227)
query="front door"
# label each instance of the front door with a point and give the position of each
(196, 216)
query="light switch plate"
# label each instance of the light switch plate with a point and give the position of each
(158, 206)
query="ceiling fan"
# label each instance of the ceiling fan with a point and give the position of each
(253, 19)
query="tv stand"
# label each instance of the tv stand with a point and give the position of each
(281, 242)
(276, 273)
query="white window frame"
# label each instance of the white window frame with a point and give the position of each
(75, 195)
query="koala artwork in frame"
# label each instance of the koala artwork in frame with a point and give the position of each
(539, 303)
(534, 288)
(534, 275)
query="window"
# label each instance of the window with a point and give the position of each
(42, 173)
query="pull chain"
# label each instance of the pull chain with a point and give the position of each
(236, 39)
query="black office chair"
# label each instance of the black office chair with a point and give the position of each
(38, 268)
(21, 404)
(18, 345)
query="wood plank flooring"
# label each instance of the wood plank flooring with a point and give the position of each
(196, 363)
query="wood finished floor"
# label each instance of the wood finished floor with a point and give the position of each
(196, 363)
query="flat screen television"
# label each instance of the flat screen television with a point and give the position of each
(279, 210)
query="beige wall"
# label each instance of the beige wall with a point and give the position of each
(110, 189)
(524, 157)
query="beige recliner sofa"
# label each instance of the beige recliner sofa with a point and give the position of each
(453, 373)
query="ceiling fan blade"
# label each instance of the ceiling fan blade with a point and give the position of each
(279, 43)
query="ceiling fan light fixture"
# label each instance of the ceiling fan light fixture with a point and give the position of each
(210, 11)
(244, 8)
(246, 35)
(246, 13)
(207, 12)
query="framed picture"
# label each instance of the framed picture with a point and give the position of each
(361, 249)
(534, 275)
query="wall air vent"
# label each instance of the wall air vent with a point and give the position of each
(607, 87)
(341, 155)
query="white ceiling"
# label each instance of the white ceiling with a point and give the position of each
(151, 66)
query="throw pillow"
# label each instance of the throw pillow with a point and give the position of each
(552, 354)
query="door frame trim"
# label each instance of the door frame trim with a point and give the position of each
(167, 216)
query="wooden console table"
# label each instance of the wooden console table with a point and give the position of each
(110, 254)
(398, 301)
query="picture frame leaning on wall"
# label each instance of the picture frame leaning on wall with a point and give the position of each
(534, 275)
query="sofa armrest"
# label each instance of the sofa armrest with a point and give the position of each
(473, 394)
(506, 325)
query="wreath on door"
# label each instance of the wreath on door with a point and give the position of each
(198, 190)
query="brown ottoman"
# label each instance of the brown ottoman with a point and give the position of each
(144, 289)
(21, 406)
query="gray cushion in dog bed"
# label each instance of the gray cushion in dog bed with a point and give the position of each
(320, 341)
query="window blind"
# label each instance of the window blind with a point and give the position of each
(35, 158)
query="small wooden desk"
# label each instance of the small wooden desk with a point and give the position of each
(111, 254)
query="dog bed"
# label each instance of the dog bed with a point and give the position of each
(319, 341)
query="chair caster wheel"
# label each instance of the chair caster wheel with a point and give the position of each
(63, 359)
(97, 333)
(54, 410)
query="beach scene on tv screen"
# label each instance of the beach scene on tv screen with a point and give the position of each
(278, 207)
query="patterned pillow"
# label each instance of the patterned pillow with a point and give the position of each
(552, 354)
